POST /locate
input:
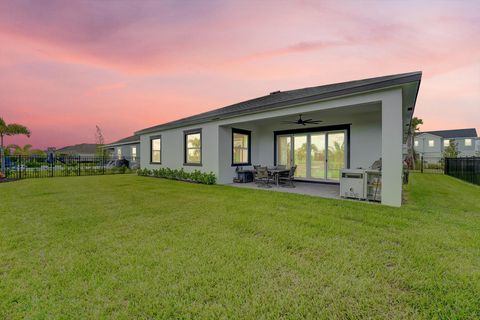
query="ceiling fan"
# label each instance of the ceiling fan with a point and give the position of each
(302, 122)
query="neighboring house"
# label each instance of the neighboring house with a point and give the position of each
(361, 122)
(126, 148)
(431, 144)
(82, 149)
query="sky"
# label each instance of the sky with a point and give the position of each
(67, 66)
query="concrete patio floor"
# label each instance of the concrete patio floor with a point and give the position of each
(313, 189)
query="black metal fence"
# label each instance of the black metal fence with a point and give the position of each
(423, 166)
(23, 167)
(467, 169)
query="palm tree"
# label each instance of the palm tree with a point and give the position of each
(414, 127)
(26, 150)
(10, 130)
(20, 151)
(11, 149)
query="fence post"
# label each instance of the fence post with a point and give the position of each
(421, 164)
(472, 176)
(477, 170)
(78, 164)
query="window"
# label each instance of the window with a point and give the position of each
(119, 153)
(468, 142)
(155, 150)
(431, 143)
(415, 143)
(193, 147)
(134, 153)
(240, 147)
(446, 143)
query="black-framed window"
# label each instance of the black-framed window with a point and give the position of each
(241, 147)
(192, 147)
(134, 153)
(156, 149)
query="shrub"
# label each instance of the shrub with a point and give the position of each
(182, 175)
(33, 164)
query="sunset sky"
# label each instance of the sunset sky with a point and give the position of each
(66, 66)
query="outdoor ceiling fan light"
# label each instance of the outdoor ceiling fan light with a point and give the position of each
(302, 122)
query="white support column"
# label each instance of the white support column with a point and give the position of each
(224, 155)
(392, 128)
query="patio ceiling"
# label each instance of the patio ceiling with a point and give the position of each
(328, 116)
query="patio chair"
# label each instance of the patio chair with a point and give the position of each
(287, 181)
(281, 167)
(262, 178)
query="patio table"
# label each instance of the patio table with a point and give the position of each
(276, 174)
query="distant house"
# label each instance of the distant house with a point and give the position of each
(82, 149)
(126, 148)
(431, 144)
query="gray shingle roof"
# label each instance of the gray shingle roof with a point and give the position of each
(279, 99)
(132, 139)
(456, 133)
(82, 148)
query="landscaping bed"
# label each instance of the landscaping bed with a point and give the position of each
(195, 176)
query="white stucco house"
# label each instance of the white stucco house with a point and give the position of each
(358, 123)
(431, 144)
(127, 148)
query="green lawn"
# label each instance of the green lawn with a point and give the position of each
(129, 247)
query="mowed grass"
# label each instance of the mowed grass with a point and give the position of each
(130, 247)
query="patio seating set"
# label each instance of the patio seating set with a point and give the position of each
(267, 177)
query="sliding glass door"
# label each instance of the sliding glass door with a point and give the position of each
(300, 155)
(336, 154)
(318, 158)
(284, 151)
(317, 155)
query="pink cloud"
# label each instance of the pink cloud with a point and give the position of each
(66, 66)
(105, 88)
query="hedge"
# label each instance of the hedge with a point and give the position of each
(174, 174)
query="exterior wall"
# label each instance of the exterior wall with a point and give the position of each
(172, 149)
(430, 154)
(126, 150)
(392, 147)
(226, 170)
(435, 154)
(366, 140)
(466, 151)
(372, 135)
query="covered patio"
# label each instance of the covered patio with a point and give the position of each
(323, 190)
(351, 132)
